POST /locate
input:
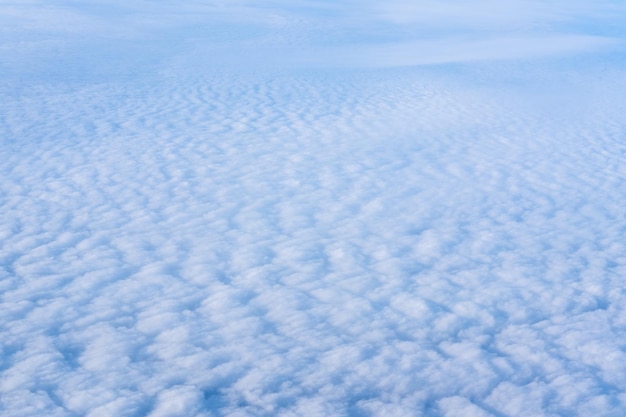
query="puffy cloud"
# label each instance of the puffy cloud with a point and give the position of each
(442, 240)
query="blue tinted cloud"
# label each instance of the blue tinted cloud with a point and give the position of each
(202, 239)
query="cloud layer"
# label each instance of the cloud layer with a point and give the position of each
(178, 238)
(130, 36)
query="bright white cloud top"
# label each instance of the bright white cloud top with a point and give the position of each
(312, 208)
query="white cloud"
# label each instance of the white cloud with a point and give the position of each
(451, 50)
(191, 238)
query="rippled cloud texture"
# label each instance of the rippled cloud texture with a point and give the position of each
(312, 208)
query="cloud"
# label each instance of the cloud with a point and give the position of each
(489, 15)
(196, 239)
(451, 50)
